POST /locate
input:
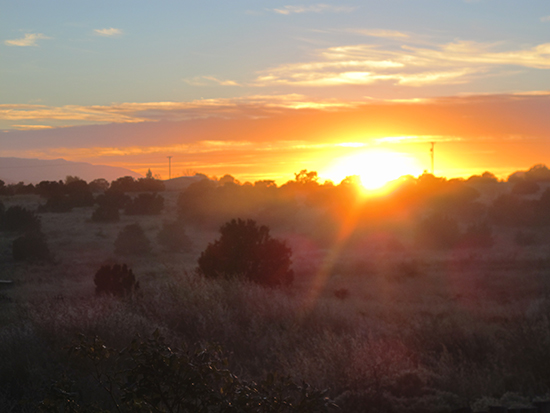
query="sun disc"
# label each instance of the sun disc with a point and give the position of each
(374, 168)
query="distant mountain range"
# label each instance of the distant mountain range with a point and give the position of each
(14, 170)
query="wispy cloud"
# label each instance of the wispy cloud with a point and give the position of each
(31, 127)
(456, 62)
(130, 112)
(108, 32)
(314, 8)
(209, 80)
(28, 40)
(545, 19)
(394, 34)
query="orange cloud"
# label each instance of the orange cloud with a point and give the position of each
(131, 112)
(268, 136)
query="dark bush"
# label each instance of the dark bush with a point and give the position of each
(57, 203)
(132, 240)
(118, 280)
(79, 193)
(248, 251)
(99, 185)
(106, 214)
(113, 198)
(173, 238)
(124, 184)
(17, 218)
(49, 189)
(525, 188)
(31, 246)
(145, 204)
(149, 184)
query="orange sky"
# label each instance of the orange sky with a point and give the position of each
(272, 140)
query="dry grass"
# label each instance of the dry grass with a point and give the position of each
(416, 330)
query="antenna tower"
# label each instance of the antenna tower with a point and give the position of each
(170, 167)
(432, 152)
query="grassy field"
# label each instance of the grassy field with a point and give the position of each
(384, 329)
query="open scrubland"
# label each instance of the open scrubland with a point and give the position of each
(385, 312)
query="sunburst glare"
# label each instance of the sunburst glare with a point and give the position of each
(375, 168)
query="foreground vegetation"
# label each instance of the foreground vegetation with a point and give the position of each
(392, 315)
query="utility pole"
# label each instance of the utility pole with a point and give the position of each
(433, 155)
(170, 167)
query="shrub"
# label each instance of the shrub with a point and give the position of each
(57, 203)
(152, 376)
(117, 280)
(145, 204)
(248, 251)
(132, 240)
(106, 214)
(113, 198)
(172, 236)
(17, 218)
(31, 246)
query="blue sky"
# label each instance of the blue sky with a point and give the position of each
(181, 51)
(74, 63)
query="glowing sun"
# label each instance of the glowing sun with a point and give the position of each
(375, 168)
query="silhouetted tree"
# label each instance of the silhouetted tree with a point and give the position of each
(145, 204)
(113, 198)
(132, 240)
(31, 246)
(99, 185)
(149, 185)
(124, 184)
(248, 251)
(17, 218)
(79, 193)
(538, 173)
(525, 187)
(117, 280)
(106, 214)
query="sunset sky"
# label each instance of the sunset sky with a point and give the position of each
(262, 89)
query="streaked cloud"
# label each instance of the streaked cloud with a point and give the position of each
(363, 64)
(131, 112)
(392, 34)
(31, 127)
(28, 40)
(263, 133)
(209, 80)
(108, 32)
(314, 8)
(545, 19)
